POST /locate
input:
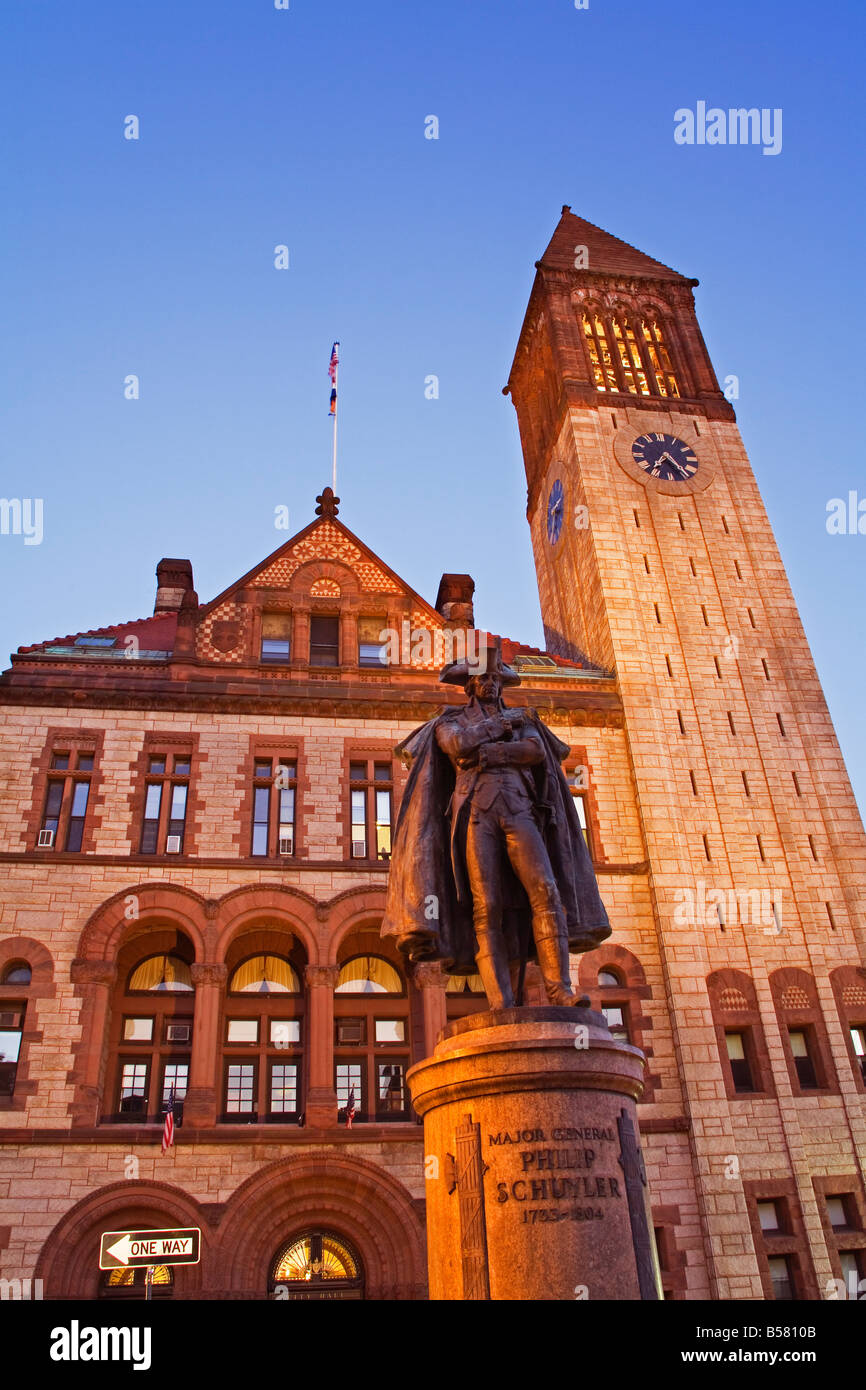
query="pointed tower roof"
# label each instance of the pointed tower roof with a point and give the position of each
(606, 253)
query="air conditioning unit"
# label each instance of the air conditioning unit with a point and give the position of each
(359, 849)
(46, 839)
(287, 844)
(8, 1020)
(350, 1030)
(178, 1032)
(172, 844)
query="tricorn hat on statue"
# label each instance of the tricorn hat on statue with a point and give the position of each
(487, 658)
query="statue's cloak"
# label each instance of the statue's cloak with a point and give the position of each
(429, 905)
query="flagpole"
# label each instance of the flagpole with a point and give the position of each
(336, 408)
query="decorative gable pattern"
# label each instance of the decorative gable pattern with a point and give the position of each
(326, 542)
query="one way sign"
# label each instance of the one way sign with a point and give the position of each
(132, 1249)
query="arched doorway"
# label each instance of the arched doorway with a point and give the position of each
(315, 1265)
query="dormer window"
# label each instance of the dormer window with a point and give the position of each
(276, 637)
(325, 641)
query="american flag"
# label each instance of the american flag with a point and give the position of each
(350, 1108)
(168, 1127)
(332, 373)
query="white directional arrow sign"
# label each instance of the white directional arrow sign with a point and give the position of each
(134, 1249)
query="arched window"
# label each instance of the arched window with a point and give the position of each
(130, 1283)
(317, 1265)
(609, 977)
(151, 1032)
(161, 974)
(265, 975)
(263, 1028)
(17, 972)
(368, 975)
(371, 1037)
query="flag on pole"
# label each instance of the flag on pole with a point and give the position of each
(168, 1127)
(332, 373)
(350, 1108)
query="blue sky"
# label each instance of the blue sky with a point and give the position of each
(305, 127)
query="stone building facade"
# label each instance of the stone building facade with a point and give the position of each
(196, 817)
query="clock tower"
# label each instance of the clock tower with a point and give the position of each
(656, 560)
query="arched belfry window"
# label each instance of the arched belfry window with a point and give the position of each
(629, 355)
(317, 1265)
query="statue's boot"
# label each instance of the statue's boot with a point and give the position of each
(495, 974)
(551, 944)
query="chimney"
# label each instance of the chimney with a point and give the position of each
(454, 600)
(173, 580)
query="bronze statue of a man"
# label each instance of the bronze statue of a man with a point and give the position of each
(489, 866)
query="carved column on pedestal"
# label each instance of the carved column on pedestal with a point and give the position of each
(321, 1103)
(430, 979)
(96, 979)
(200, 1106)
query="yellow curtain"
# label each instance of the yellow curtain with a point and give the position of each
(151, 973)
(369, 975)
(276, 972)
(464, 984)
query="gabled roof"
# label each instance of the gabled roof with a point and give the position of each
(326, 537)
(606, 254)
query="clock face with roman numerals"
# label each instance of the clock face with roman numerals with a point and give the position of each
(555, 511)
(665, 457)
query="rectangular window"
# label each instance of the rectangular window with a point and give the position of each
(852, 1262)
(10, 1046)
(78, 810)
(783, 1283)
(175, 1078)
(768, 1214)
(273, 830)
(284, 1032)
(390, 1088)
(138, 1030)
(51, 815)
(276, 637)
(370, 809)
(741, 1071)
(616, 1016)
(163, 825)
(858, 1039)
(240, 1088)
(348, 1078)
(284, 1088)
(242, 1030)
(803, 1060)
(837, 1213)
(359, 825)
(133, 1088)
(150, 827)
(390, 1030)
(372, 649)
(324, 641)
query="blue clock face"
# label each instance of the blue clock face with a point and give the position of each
(555, 512)
(665, 457)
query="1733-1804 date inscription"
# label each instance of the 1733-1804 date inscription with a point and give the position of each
(556, 1178)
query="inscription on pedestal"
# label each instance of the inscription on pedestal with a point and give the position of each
(560, 1175)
